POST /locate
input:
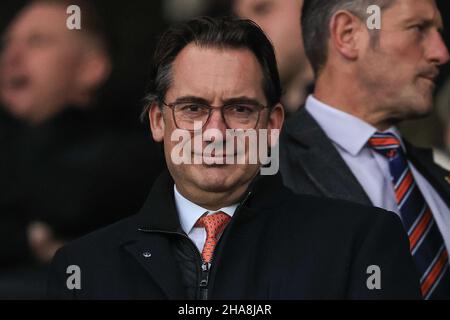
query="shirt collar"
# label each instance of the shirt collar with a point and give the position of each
(190, 212)
(344, 129)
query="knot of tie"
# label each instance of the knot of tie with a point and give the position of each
(387, 144)
(214, 225)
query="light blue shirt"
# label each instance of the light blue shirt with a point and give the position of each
(190, 212)
(350, 135)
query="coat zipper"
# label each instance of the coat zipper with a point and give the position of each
(206, 267)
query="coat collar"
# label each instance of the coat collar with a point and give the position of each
(320, 160)
(150, 249)
(439, 178)
(147, 238)
(159, 211)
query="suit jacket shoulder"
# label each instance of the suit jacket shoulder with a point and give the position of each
(310, 164)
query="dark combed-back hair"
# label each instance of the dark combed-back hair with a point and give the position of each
(221, 33)
(316, 17)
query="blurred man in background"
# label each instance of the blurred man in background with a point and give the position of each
(66, 170)
(46, 68)
(344, 144)
(280, 20)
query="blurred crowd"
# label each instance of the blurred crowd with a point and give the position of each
(73, 154)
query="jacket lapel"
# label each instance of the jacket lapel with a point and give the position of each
(438, 177)
(313, 151)
(148, 243)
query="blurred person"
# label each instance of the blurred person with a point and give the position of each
(70, 171)
(280, 20)
(182, 10)
(45, 67)
(215, 230)
(345, 143)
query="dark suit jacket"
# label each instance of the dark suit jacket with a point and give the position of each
(310, 164)
(277, 246)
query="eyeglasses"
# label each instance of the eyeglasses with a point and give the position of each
(237, 115)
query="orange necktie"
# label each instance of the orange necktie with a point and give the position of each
(214, 225)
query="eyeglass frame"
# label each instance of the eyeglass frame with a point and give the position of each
(210, 110)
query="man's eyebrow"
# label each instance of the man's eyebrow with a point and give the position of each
(242, 99)
(195, 99)
(436, 23)
(426, 22)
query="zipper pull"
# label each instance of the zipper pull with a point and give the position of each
(204, 280)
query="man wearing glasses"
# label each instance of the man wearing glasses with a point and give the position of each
(215, 230)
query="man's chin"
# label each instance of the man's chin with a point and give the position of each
(215, 177)
(421, 110)
(211, 184)
(416, 106)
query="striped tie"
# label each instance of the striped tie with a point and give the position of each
(426, 243)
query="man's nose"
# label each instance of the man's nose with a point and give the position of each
(438, 51)
(216, 121)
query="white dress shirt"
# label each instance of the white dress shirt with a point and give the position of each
(350, 136)
(190, 212)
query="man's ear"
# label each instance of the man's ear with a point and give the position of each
(345, 34)
(157, 124)
(276, 117)
(276, 120)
